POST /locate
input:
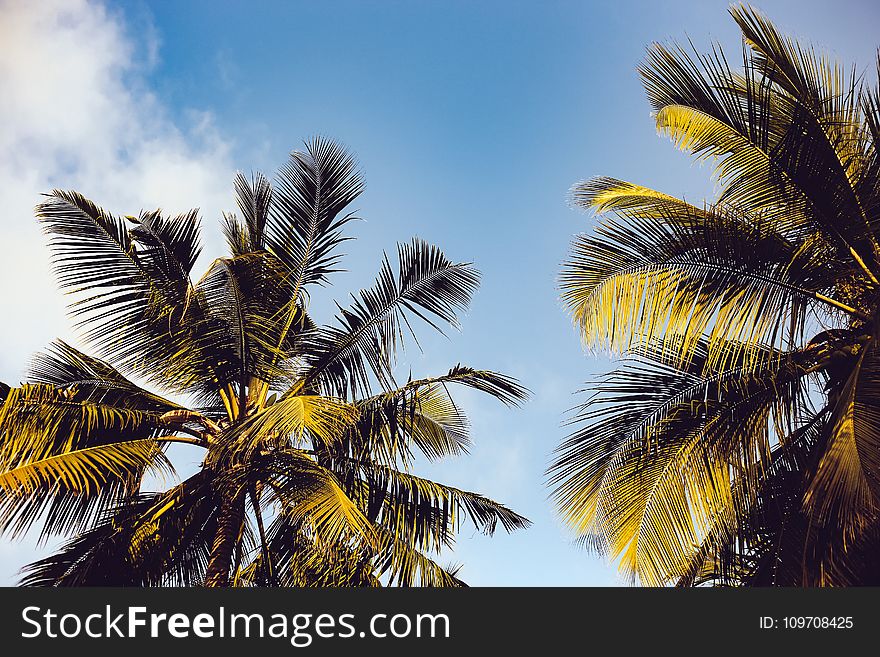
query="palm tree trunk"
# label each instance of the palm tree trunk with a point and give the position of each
(225, 538)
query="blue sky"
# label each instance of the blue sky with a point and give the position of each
(470, 120)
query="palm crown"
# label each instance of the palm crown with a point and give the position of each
(739, 443)
(308, 438)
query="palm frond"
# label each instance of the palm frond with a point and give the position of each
(84, 471)
(407, 566)
(845, 486)
(251, 324)
(651, 470)
(425, 512)
(605, 194)
(254, 199)
(64, 366)
(389, 427)
(309, 492)
(767, 142)
(717, 274)
(426, 285)
(301, 558)
(39, 419)
(153, 539)
(132, 285)
(294, 418)
(304, 223)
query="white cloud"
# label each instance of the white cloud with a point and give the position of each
(76, 112)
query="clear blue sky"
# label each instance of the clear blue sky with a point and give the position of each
(471, 120)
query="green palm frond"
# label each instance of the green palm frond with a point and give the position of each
(504, 388)
(421, 415)
(64, 440)
(605, 194)
(390, 426)
(95, 557)
(302, 559)
(295, 418)
(39, 422)
(716, 273)
(309, 492)
(39, 419)
(650, 470)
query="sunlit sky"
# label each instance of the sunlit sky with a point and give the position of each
(470, 121)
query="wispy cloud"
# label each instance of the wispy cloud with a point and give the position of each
(76, 111)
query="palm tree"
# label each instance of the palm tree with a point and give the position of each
(308, 438)
(739, 441)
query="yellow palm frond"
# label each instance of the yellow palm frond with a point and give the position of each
(84, 471)
(295, 417)
(844, 488)
(628, 199)
(40, 419)
(309, 492)
(408, 566)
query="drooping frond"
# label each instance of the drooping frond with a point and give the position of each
(154, 539)
(39, 422)
(63, 366)
(425, 512)
(390, 426)
(301, 558)
(504, 388)
(774, 541)
(407, 566)
(652, 468)
(309, 492)
(422, 414)
(845, 488)
(38, 419)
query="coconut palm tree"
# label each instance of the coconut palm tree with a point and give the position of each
(307, 436)
(739, 441)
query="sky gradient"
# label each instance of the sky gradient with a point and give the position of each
(470, 121)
